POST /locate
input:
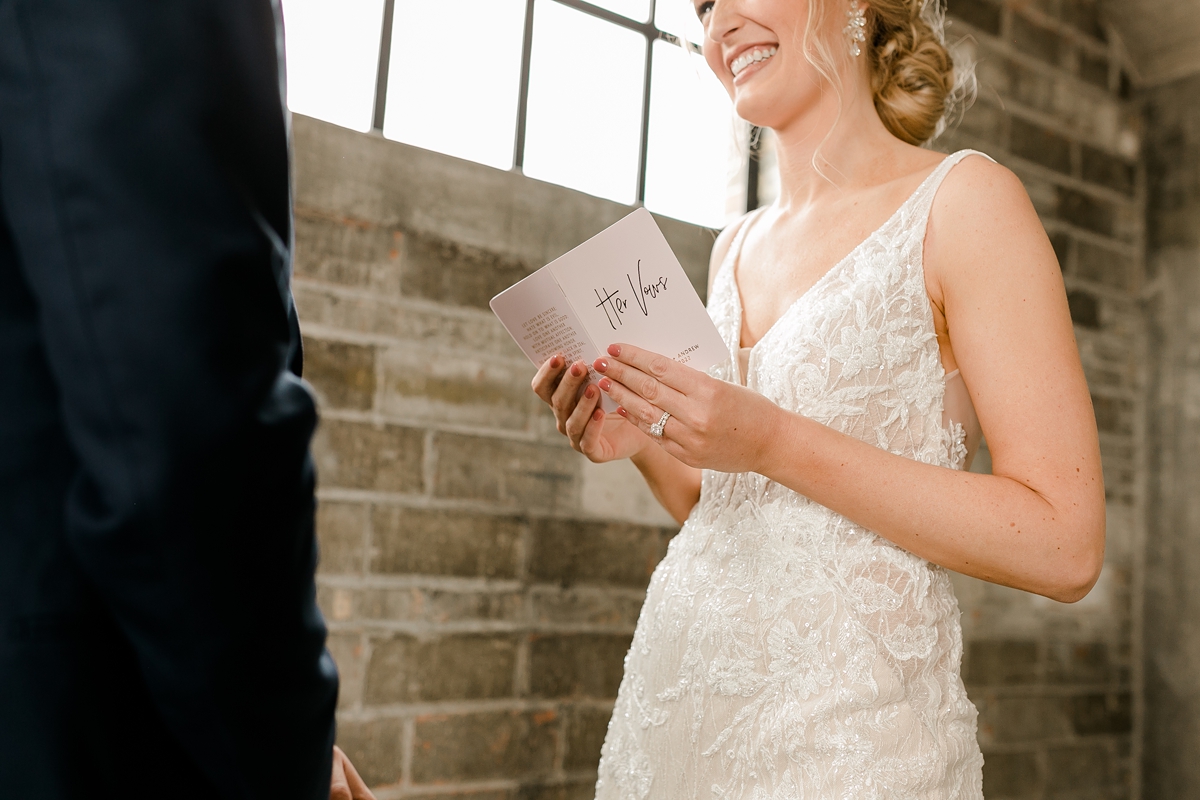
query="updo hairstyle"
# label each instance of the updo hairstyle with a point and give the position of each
(915, 80)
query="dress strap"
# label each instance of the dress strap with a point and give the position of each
(923, 201)
(735, 247)
(724, 284)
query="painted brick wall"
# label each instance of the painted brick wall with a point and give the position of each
(1172, 604)
(481, 581)
(1057, 686)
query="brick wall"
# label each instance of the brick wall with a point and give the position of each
(1172, 603)
(482, 582)
(1057, 686)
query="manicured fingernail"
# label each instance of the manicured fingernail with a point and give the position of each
(605, 384)
(597, 415)
(622, 412)
(590, 392)
(614, 350)
(601, 365)
(556, 362)
(577, 369)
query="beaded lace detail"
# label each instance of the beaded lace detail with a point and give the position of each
(783, 652)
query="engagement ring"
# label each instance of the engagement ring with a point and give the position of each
(656, 430)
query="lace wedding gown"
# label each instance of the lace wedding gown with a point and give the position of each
(783, 652)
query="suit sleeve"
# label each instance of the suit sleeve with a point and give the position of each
(144, 170)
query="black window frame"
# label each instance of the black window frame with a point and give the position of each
(647, 29)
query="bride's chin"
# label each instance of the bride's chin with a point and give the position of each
(777, 110)
(760, 108)
(758, 113)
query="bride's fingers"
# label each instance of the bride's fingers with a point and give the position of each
(589, 443)
(548, 375)
(643, 423)
(633, 406)
(577, 422)
(645, 386)
(567, 395)
(666, 370)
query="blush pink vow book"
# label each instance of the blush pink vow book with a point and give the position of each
(622, 285)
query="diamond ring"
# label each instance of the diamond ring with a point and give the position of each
(656, 430)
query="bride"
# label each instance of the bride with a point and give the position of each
(801, 638)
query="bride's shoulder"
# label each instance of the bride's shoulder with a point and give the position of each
(981, 221)
(980, 202)
(978, 182)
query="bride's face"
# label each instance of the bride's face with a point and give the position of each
(756, 48)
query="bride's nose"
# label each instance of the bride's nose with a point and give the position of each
(724, 20)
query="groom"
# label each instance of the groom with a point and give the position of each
(159, 635)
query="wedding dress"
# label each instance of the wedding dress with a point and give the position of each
(783, 652)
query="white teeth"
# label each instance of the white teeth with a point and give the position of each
(751, 57)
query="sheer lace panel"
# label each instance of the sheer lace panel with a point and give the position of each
(957, 408)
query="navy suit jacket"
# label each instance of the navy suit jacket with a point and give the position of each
(159, 635)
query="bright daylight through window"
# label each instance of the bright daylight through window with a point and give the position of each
(452, 83)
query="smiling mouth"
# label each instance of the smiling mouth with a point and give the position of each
(752, 56)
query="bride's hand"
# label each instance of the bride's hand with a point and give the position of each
(599, 436)
(713, 424)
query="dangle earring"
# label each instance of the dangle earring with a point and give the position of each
(856, 27)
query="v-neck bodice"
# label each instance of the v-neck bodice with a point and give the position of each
(733, 257)
(895, 250)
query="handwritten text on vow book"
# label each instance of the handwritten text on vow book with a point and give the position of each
(622, 285)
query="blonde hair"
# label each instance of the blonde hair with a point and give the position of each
(918, 83)
(916, 80)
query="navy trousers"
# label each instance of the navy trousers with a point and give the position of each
(159, 634)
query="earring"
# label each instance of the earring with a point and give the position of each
(856, 28)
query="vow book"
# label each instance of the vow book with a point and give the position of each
(622, 285)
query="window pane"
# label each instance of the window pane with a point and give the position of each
(462, 103)
(694, 151)
(768, 168)
(679, 17)
(332, 58)
(634, 9)
(585, 103)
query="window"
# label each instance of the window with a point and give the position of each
(610, 97)
(455, 76)
(332, 59)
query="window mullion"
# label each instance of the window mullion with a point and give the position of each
(385, 63)
(523, 93)
(752, 170)
(652, 35)
(645, 143)
(612, 16)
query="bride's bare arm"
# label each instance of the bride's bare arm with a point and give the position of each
(1036, 523)
(674, 484)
